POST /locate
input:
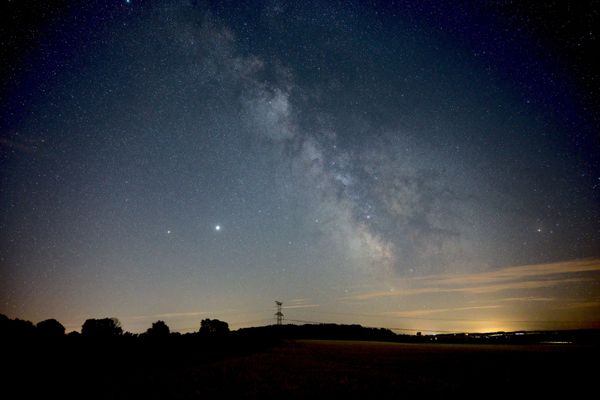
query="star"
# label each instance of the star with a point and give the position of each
(168, 231)
(217, 228)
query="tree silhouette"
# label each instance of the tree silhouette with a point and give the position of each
(4, 321)
(101, 328)
(16, 328)
(158, 329)
(213, 327)
(50, 328)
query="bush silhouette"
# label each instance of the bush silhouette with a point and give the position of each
(101, 328)
(213, 327)
(50, 328)
(158, 329)
(16, 328)
(4, 321)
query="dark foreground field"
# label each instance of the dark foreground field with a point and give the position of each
(307, 368)
(302, 369)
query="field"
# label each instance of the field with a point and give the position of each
(301, 369)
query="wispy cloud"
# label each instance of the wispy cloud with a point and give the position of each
(491, 288)
(526, 277)
(302, 306)
(298, 301)
(173, 315)
(423, 312)
(516, 273)
(580, 304)
(527, 299)
(166, 315)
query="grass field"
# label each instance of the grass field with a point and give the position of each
(301, 369)
(304, 369)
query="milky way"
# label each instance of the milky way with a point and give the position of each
(182, 159)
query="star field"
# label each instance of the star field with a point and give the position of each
(206, 158)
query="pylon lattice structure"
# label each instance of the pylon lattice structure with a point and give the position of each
(279, 314)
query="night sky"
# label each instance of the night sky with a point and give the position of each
(419, 165)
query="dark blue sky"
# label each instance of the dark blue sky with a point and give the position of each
(354, 155)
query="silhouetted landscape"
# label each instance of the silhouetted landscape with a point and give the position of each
(294, 361)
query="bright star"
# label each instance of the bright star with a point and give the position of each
(217, 228)
(168, 232)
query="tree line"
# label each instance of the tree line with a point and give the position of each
(99, 328)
